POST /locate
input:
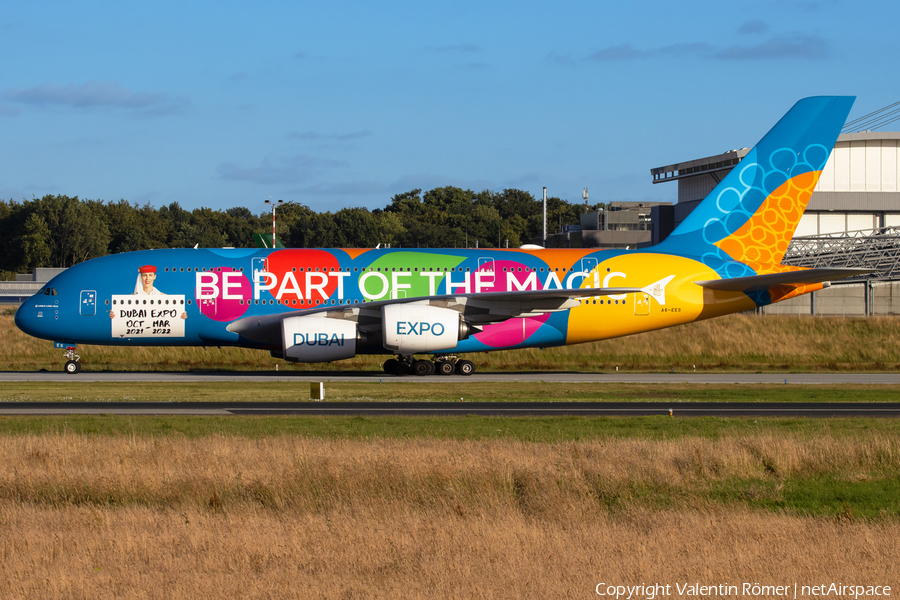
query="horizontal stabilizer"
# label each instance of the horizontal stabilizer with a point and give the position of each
(758, 283)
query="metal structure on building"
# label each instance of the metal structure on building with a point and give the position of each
(697, 178)
(878, 250)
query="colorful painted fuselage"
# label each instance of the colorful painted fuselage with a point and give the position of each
(213, 288)
(250, 298)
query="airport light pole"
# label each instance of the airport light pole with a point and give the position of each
(544, 239)
(274, 203)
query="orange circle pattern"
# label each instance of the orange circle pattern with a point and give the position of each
(765, 237)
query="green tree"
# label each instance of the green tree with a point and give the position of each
(407, 204)
(36, 242)
(12, 221)
(299, 222)
(125, 233)
(78, 231)
(178, 224)
(389, 229)
(240, 226)
(355, 228)
(209, 228)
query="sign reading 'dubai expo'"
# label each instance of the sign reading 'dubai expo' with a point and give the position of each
(142, 316)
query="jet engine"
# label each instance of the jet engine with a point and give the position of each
(318, 339)
(414, 328)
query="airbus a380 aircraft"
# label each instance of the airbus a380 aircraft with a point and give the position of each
(309, 305)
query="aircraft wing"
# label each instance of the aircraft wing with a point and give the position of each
(757, 283)
(477, 309)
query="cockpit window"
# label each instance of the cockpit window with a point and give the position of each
(53, 291)
(46, 291)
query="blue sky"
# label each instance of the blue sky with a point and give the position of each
(336, 104)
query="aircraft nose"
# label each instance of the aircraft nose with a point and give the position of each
(26, 319)
(23, 319)
(20, 320)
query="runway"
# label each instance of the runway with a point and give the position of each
(484, 409)
(511, 409)
(499, 378)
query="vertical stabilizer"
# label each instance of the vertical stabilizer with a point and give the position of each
(744, 226)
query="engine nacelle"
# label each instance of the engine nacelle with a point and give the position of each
(414, 328)
(318, 339)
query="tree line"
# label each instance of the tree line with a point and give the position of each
(60, 231)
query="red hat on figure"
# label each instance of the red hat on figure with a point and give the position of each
(147, 269)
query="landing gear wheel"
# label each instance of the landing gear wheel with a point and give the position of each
(402, 368)
(445, 367)
(465, 367)
(73, 367)
(390, 366)
(423, 367)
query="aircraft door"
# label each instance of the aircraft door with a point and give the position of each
(88, 304)
(642, 304)
(257, 266)
(588, 264)
(486, 267)
(208, 306)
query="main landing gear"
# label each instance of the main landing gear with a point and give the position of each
(72, 365)
(442, 365)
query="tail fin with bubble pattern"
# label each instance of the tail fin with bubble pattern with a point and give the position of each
(744, 226)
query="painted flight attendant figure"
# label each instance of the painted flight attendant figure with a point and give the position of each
(144, 286)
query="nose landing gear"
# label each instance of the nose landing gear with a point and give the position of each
(72, 365)
(441, 365)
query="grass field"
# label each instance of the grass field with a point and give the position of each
(288, 516)
(433, 389)
(733, 343)
(473, 428)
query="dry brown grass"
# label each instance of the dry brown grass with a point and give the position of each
(83, 553)
(85, 517)
(305, 474)
(736, 342)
